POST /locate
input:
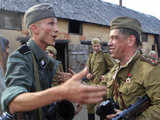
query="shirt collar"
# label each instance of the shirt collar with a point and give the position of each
(40, 55)
(97, 52)
(136, 54)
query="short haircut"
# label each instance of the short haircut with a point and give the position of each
(127, 31)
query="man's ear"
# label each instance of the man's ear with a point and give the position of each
(34, 28)
(131, 40)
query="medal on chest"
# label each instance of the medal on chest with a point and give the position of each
(128, 80)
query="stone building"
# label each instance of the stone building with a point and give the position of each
(78, 20)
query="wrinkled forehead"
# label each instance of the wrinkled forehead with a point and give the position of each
(114, 32)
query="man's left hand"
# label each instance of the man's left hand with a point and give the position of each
(109, 117)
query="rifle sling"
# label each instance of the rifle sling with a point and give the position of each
(116, 93)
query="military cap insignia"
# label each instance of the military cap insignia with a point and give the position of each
(43, 64)
(128, 80)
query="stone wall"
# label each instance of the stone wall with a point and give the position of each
(78, 55)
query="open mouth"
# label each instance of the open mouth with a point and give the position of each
(54, 36)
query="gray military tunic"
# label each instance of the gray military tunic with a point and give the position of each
(2, 85)
(20, 75)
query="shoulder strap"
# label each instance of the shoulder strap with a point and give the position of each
(24, 49)
(90, 57)
(38, 86)
(36, 75)
(149, 60)
(116, 93)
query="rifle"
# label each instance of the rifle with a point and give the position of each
(134, 110)
(103, 44)
(88, 42)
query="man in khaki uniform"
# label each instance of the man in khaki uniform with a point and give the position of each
(98, 63)
(58, 67)
(135, 75)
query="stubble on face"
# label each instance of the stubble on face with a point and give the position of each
(117, 44)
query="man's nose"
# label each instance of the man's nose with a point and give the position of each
(110, 43)
(56, 29)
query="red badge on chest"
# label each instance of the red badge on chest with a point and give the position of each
(128, 80)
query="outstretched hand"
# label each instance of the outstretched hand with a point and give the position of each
(80, 93)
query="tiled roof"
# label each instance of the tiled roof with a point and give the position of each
(92, 11)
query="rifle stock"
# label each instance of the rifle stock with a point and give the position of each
(134, 110)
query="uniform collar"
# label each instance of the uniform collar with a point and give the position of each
(133, 58)
(41, 56)
(128, 65)
(97, 52)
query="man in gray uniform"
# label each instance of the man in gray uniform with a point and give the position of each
(28, 72)
(4, 45)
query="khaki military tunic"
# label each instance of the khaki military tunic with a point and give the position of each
(99, 64)
(59, 68)
(137, 78)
